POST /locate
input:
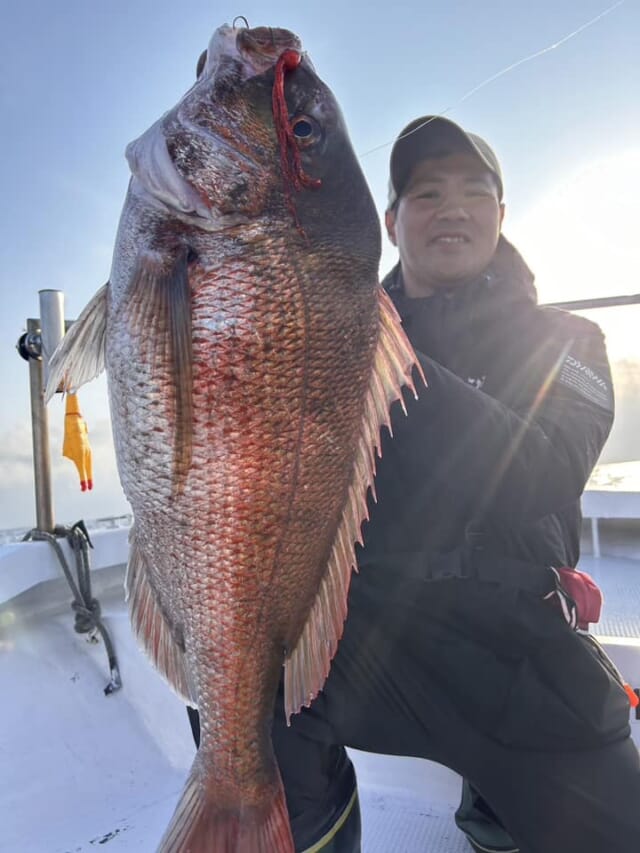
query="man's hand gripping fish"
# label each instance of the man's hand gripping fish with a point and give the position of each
(252, 358)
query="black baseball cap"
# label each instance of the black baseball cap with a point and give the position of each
(434, 135)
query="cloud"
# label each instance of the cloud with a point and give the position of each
(17, 489)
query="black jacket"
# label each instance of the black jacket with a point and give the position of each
(492, 459)
(480, 486)
(481, 481)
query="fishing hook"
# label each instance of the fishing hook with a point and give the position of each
(240, 18)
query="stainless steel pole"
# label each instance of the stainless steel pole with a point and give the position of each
(50, 328)
(40, 440)
(51, 324)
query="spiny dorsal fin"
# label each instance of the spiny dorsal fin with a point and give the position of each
(79, 357)
(308, 665)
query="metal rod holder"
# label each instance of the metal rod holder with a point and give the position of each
(48, 332)
(51, 325)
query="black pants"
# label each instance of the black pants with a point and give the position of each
(488, 682)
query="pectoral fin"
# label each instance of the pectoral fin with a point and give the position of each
(308, 665)
(160, 316)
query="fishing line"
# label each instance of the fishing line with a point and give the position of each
(499, 74)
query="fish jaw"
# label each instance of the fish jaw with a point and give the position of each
(257, 49)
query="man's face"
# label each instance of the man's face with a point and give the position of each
(446, 223)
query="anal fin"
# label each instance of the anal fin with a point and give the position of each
(151, 627)
(308, 665)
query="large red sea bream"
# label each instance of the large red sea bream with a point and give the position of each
(251, 359)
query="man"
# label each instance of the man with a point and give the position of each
(453, 649)
(456, 647)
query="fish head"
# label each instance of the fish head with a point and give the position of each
(234, 147)
(336, 206)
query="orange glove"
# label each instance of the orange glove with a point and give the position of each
(76, 442)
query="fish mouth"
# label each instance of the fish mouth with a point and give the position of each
(263, 46)
(257, 48)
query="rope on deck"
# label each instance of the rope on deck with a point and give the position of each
(85, 606)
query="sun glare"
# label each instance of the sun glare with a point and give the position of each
(581, 240)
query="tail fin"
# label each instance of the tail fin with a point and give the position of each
(197, 826)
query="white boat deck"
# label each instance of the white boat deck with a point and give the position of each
(89, 772)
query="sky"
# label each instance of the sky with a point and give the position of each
(81, 79)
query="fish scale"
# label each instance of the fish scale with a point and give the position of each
(252, 358)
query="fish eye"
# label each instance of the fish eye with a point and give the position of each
(302, 128)
(305, 130)
(201, 63)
